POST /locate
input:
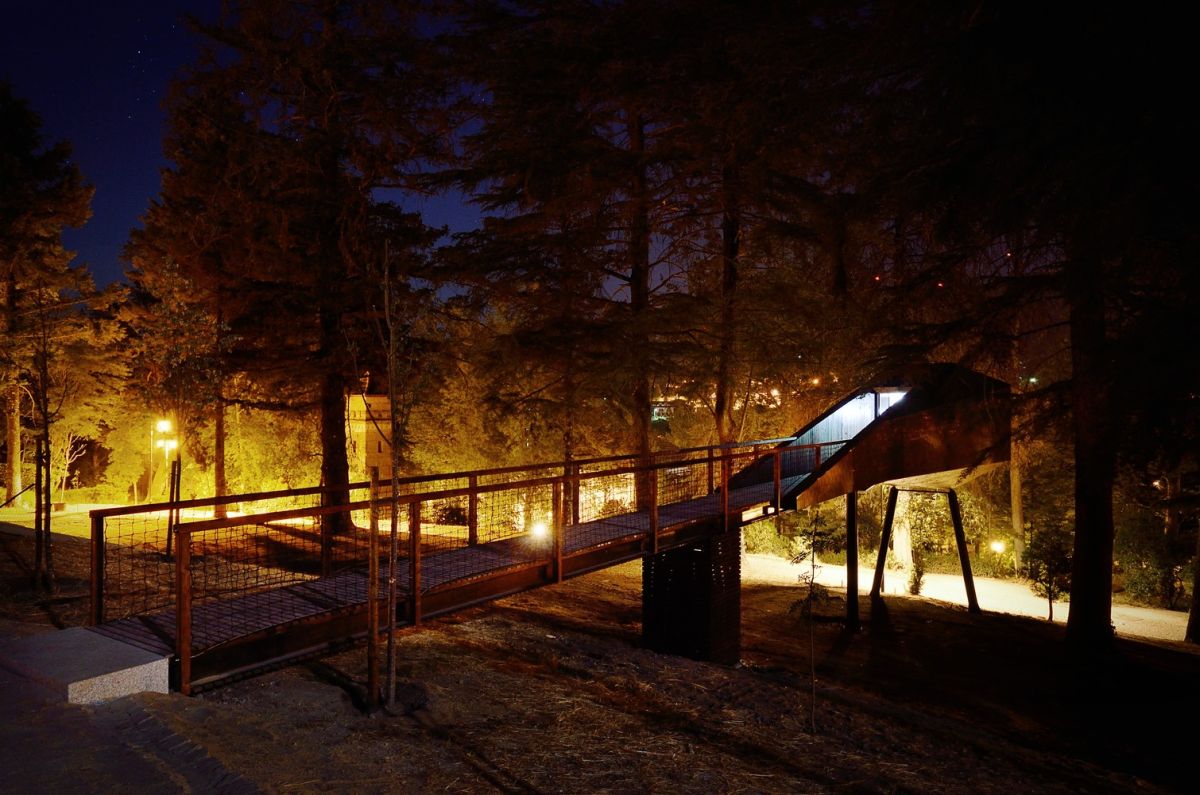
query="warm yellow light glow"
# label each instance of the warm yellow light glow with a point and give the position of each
(166, 444)
(163, 426)
(539, 530)
(815, 381)
(997, 546)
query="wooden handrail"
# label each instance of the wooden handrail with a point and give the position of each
(207, 525)
(127, 510)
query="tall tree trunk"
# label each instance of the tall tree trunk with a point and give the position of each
(730, 242)
(13, 440)
(39, 544)
(220, 483)
(220, 478)
(335, 468)
(1015, 492)
(569, 409)
(45, 503)
(1089, 620)
(639, 298)
(1172, 488)
(13, 415)
(1017, 505)
(335, 464)
(1192, 635)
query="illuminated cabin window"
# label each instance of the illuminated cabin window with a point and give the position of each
(889, 398)
(852, 416)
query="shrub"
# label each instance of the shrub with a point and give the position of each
(761, 538)
(1049, 559)
(450, 514)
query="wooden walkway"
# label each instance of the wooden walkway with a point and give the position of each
(450, 579)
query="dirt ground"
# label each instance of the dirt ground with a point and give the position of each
(551, 691)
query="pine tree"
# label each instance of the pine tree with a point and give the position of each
(41, 193)
(565, 156)
(281, 137)
(757, 195)
(189, 292)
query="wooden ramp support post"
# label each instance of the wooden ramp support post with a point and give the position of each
(691, 600)
(183, 610)
(885, 538)
(472, 510)
(963, 558)
(852, 620)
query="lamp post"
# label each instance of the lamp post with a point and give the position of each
(160, 427)
(167, 446)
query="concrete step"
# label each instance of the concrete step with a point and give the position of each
(83, 667)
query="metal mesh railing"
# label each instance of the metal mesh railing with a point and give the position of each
(282, 557)
(282, 567)
(138, 570)
(491, 528)
(133, 549)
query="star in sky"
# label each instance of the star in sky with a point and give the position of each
(96, 73)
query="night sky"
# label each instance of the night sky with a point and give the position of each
(96, 73)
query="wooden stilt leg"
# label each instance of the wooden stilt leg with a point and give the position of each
(885, 538)
(852, 620)
(961, 539)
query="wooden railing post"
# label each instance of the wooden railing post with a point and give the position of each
(557, 525)
(654, 510)
(711, 488)
(97, 589)
(414, 551)
(570, 503)
(574, 484)
(726, 465)
(473, 510)
(777, 474)
(816, 457)
(183, 608)
(373, 595)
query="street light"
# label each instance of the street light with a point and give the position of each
(167, 446)
(159, 426)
